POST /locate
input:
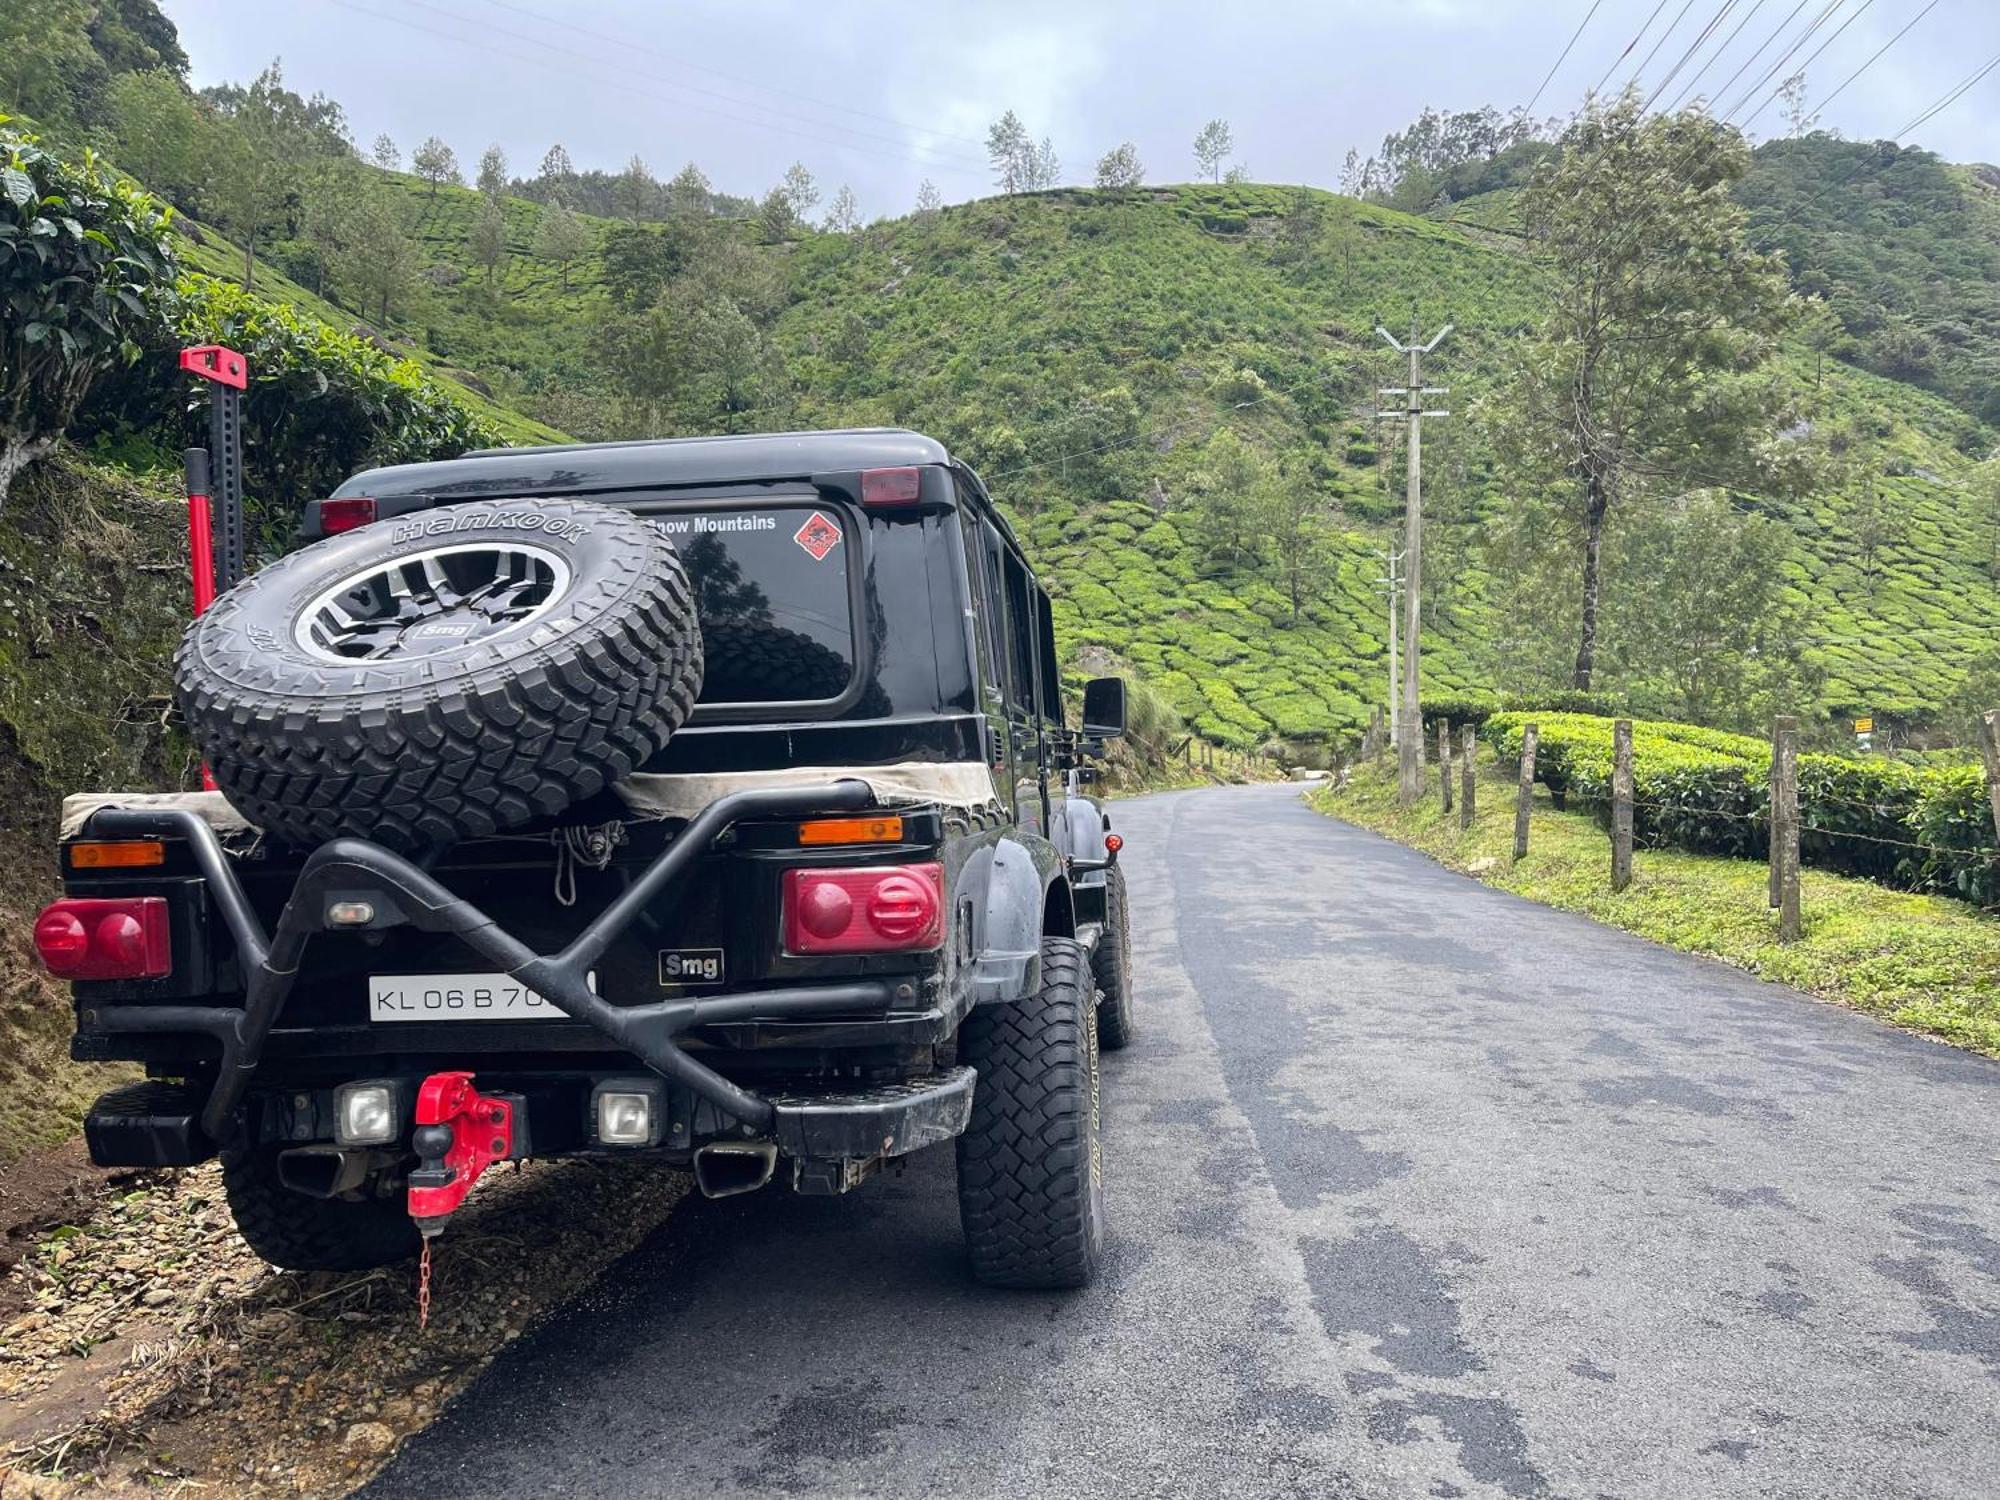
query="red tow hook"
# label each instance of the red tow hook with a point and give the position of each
(460, 1133)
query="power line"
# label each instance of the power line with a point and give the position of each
(1776, 69)
(1717, 55)
(1715, 21)
(1530, 109)
(1951, 98)
(1758, 51)
(1809, 62)
(1628, 47)
(651, 94)
(1878, 52)
(1639, 72)
(749, 83)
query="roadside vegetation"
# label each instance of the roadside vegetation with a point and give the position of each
(1926, 963)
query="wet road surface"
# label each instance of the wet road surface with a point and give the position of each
(1415, 1189)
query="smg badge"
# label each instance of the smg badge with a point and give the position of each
(818, 536)
(691, 966)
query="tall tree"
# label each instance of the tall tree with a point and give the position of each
(1212, 146)
(843, 215)
(437, 164)
(489, 236)
(929, 199)
(1044, 168)
(493, 171)
(1120, 167)
(1011, 152)
(558, 174)
(1652, 371)
(800, 191)
(637, 191)
(560, 237)
(379, 264)
(386, 155)
(690, 192)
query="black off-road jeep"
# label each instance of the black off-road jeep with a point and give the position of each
(710, 800)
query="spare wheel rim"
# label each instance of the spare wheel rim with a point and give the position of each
(429, 602)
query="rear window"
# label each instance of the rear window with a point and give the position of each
(771, 587)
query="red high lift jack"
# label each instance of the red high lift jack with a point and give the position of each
(215, 480)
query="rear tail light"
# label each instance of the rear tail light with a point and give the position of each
(885, 830)
(125, 938)
(891, 486)
(873, 909)
(344, 515)
(119, 854)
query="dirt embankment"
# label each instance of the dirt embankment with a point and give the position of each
(143, 1344)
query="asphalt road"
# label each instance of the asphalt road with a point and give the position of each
(1415, 1189)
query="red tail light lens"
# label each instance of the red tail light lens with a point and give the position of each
(891, 486)
(344, 515)
(126, 938)
(873, 909)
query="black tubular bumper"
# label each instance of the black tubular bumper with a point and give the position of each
(403, 895)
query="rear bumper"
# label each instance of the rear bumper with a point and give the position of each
(401, 894)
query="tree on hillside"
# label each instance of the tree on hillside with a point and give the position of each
(558, 173)
(1211, 145)
(1299, 231)
(1120, 167)
(562, 238)
(1876, 521)
(800, 191)
(1044, 167)
(266, 137)
(1231, 495)
(378, 265)
(1298, 518)
(492, 179)
(843, 215)
(775, 217)
(929, 199)
(165, 139)
(46, 61)
(690, 193)
(1799, 118)
(386, 154)
(81, 255)
(1011, 152)
(489, 236)
(437, 164)
(1705, 630)
(637, 190)
(1238, 173)
(1652, 370)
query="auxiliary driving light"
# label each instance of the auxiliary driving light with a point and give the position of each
(365, 1114)
(628, 1111)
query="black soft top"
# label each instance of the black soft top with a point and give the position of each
(652, 462)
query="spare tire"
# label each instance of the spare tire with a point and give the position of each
(442, 675)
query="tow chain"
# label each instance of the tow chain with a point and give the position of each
(424, 1287)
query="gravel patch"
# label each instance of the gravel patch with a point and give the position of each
(158, 1352)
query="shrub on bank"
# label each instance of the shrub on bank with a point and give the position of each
(1708, 791)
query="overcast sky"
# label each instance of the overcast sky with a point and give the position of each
(881, 94)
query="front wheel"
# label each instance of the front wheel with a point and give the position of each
(1111, 966)
(1030, 1168)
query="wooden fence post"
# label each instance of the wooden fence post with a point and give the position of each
(1468, 754)
(1785, 824)
(1444, 763)
(1524, 799)
(1621, 804)
(1989, 745)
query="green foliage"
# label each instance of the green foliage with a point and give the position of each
(320, 405)
(82, 257)
(1709, 791)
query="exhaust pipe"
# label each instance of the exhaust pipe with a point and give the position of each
(725, 1168)
(322, 1171)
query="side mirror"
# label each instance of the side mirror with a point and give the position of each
(1104, 707)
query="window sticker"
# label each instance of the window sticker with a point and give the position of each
(818, 536)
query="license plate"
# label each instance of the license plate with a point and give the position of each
(457, 997)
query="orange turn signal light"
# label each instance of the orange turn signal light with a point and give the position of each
(887, 830)
(126, 854)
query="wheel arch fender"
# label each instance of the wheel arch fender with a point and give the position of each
(1014, 892)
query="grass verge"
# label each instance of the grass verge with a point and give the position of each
(1926, 963)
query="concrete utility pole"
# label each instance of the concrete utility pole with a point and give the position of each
(1410, 760)
(1392, 582)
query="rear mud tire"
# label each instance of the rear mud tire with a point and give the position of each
(1030, 1170)
(1111, 966)
(417, 750)
(298, 1233)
